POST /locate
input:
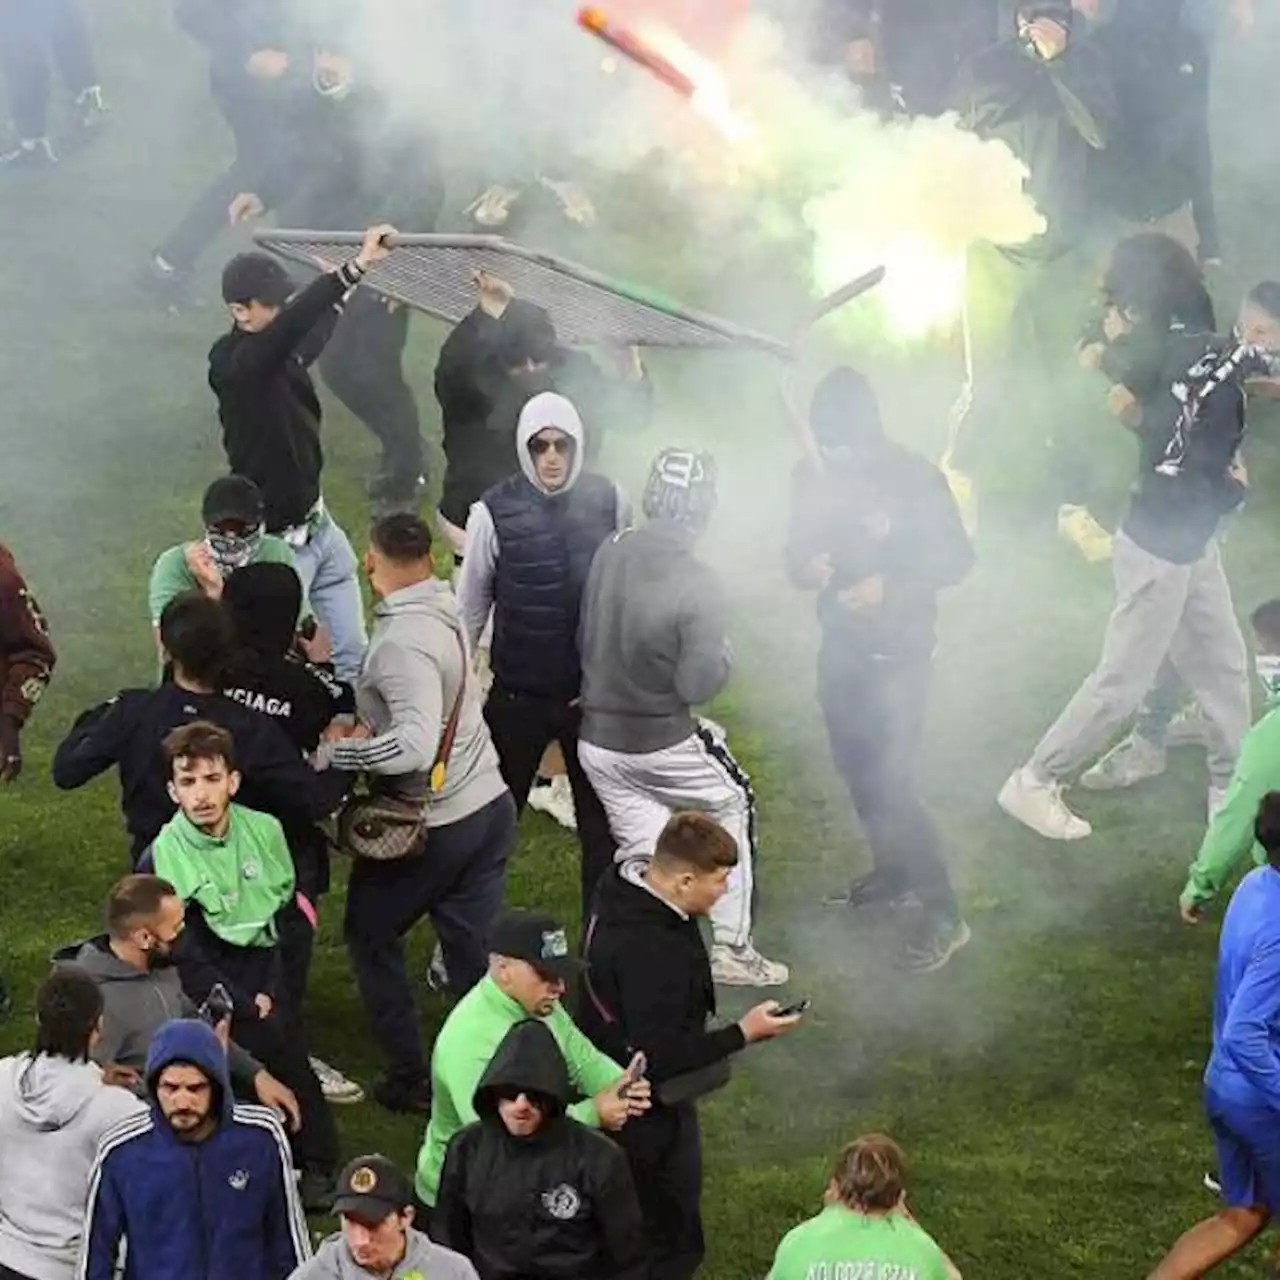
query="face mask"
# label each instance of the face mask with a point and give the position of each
(232, 551)
(1268, 668)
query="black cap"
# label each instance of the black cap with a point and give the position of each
(371, 1188)
(538, 940)
(232, 498)
(256, 277)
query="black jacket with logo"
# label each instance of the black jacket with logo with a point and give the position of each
(558, 1205)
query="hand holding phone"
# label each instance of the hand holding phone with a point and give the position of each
(635, 1072)
(793, 1010)
(218, 1007)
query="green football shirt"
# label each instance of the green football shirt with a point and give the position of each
(842, 1245)
(171, 575)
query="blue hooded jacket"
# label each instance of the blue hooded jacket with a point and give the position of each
(222, 1209)
(1245, 1066)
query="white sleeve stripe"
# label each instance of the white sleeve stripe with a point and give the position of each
(265, 1118)
(121, 1132)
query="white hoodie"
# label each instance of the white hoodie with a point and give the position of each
(52, 1114)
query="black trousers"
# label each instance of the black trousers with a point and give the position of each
(36, 36)
(280, 1046)
(458, 882)
(7, 1273)
(664, 1150)
(522, 726)
(251, 116)
(875, 713)
(363, 366)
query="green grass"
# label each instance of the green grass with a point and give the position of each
(1046, 1085)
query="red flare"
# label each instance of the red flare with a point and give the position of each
(596, 23)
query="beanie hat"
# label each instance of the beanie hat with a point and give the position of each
(681, 488)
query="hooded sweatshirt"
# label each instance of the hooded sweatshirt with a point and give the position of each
(53, 1112)
(422, 1258)
(559, 1204)
(1230, 840)
(412, 672)
(470, 1037)
(528, 553)
(225, 1208)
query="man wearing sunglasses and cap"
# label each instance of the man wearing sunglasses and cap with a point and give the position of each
(530, 542)
(530, 966)
(270, 414)
(376, 1206)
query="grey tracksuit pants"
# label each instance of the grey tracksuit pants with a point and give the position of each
(1182, 612)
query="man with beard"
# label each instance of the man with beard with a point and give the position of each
(200, 1185)
(876, 533)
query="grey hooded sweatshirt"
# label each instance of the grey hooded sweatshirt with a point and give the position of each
(52, 1113)
(412, 671)
(333, 1261)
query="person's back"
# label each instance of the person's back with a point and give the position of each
(652, 639)
(54, 1109)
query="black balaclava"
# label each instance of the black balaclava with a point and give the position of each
(264, 601)
(844, 413)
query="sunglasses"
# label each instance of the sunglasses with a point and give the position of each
(563, 445)
(509, 1093)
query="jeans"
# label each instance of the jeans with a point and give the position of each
(874, 709)
(521, 726)
(1179, 612)
(363, 366)
(457, 881)
(327, 566)
(34, 34)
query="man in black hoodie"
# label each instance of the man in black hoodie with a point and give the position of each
(876, 532)
(648, 989)
(270, 417)
(526, 1190)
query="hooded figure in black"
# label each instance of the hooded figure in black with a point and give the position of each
(495, 361)
(526, 1192)
(875, 531)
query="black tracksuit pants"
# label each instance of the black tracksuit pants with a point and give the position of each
(664, 1150)
(363, 366)
(521, 726)
(36, 36)
(277, 1043)
(458, 881)
(875, 711)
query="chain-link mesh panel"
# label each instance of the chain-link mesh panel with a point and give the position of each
(434, 273)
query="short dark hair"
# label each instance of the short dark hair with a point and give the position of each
(870, 1173)
(1265, 621)
(1266, 294)
(68, 1006)
(134, 899)
(403, 537)
(197, 635)
(1266, 827)
(693, 840)
(1158, 278)
(199, 740)
(256, 277)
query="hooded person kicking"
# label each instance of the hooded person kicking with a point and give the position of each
(524, 1150)
(530, 543)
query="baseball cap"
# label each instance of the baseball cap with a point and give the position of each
(232, 498)
(256, 277)
(538, 940)
(371, 1188)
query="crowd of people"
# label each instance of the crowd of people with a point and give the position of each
(170, 1098)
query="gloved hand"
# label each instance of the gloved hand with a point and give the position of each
(10, 749)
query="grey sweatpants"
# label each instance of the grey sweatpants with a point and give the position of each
(1182, 612)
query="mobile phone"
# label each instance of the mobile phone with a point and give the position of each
(635, 1073)
(218, 1006)
(793, 1010)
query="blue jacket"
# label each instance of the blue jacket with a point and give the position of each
(1245, 1065)
(222, 1209)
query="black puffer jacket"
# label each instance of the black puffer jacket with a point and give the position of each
(558, 1205)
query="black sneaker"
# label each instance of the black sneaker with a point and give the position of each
(875, 889)
(404, 1097)
(30, 156)
(316, 1190)
(933, 946)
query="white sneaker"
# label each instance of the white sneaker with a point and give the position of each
(492, 208)
(437, 974)
(556, 801)
(1188, 728)
(1039, 805)
(745, 967)
(337, 1089)
(1217, 798)
(1129, 762)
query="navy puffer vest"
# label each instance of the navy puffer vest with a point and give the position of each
(545, 547)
